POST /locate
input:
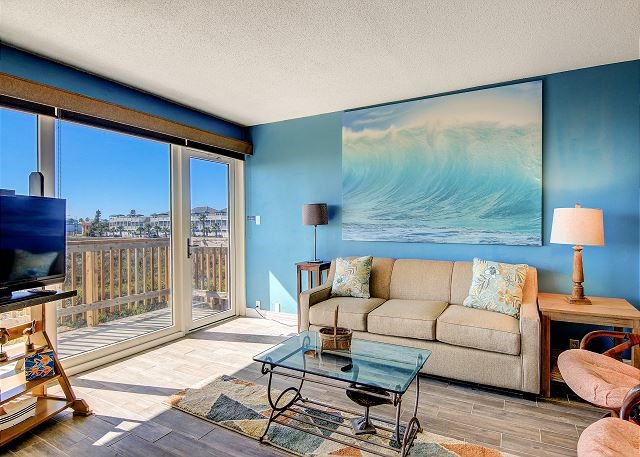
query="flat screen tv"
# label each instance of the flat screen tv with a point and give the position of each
(32, 242)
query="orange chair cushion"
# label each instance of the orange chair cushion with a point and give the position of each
(596, 378)
(610, 437)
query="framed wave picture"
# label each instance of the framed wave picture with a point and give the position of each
(461, 168)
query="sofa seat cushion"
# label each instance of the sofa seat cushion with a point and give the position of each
(407, 318)
(352, 313)
(479, 329)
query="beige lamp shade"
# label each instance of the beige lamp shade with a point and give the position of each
(315, 214)
(578, 226)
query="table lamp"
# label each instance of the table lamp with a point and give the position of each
(580, 227)
(315, 214)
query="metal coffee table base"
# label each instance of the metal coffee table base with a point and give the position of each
(298, 404)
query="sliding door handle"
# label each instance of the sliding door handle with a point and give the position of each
(190, 247)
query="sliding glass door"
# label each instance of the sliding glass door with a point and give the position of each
(149, 233)
(117, 189)
(209, 237)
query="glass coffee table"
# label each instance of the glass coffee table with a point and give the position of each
(371, 373)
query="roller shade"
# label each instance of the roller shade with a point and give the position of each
(45, 100)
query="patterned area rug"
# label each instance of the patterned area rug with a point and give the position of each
(243, 407)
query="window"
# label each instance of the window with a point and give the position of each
(18, 149)
(117, 189)
(18, 158)
(120, 226)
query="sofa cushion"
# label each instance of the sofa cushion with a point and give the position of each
(479, 329)
(407, 318)
(421, 280)
(352, 314)
(460, 282)
(380, 276)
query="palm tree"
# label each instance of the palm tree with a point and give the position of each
(202, 217)
(216, 228)
(95, 225)
(120, 229)
(140, 230)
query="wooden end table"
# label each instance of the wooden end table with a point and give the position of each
(615, 312)
(310, 268)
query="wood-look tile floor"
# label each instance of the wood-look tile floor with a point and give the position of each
(131, 418)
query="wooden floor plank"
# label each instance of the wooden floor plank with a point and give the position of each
(132, 418)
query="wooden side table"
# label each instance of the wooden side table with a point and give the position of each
(615, 312)
(310, 268)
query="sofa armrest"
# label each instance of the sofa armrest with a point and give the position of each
(530, 346)
(530, 332)
(310, 297)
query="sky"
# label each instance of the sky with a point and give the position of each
(99, 169)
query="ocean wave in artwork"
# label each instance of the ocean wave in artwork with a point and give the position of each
(443, 179)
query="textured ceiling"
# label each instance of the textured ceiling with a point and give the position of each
(254, 62)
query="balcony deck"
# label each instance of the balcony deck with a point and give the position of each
(85, 339)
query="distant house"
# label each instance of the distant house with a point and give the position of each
(208, 221)
(127, 224)
(85, 227)
(161, 222)
(73, 227)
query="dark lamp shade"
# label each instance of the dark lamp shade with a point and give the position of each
(315, 214)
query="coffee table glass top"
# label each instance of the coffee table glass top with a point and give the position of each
(387, 366)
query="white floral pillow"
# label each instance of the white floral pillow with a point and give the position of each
(497, 287)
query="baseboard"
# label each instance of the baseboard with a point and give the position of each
(284, 318)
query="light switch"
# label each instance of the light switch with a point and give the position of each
(257, 220)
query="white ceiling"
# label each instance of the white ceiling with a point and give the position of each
(254, 62)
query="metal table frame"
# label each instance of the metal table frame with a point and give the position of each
(412, 427)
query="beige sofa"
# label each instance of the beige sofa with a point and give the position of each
(419, 303)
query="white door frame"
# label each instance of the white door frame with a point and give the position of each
(185, 232)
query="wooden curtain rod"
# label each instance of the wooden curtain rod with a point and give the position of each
(36, 93)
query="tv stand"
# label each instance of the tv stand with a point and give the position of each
(25, 299)
(15, 384)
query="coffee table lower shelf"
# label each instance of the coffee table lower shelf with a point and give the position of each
(298, 403)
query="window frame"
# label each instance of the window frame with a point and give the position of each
(180, 280)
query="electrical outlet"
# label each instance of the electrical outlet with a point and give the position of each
(574, 344)
(257, 304)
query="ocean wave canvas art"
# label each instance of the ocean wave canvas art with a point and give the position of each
(461, 168)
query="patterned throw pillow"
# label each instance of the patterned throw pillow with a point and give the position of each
(497, 287)
(351, 278)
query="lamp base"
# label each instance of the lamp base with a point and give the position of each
(314, 261)
(578, 301)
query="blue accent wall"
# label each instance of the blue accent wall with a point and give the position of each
(591, 155)
(34, 68)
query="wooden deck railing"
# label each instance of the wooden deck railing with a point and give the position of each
(118, 277)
